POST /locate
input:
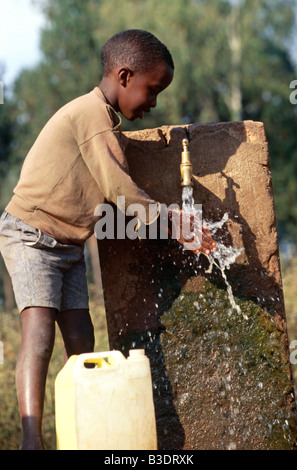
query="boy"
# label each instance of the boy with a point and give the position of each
(75, 164)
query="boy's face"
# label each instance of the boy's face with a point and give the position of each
(138, 92)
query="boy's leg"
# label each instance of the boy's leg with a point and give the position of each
(77, 331)
(38, 334)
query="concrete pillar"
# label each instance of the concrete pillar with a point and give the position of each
(222, 379)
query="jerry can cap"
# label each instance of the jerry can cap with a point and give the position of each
(136, 352)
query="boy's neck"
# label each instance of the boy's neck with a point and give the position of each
(109, 93)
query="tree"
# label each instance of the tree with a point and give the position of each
(7, 128)
(267, 71)
(232, 62)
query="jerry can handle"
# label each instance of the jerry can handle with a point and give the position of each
(100, 361)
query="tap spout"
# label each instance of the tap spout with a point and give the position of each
(186, 170)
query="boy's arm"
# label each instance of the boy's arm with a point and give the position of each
(107, 164)
(105, 159)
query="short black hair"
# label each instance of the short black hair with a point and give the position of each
(137, 49)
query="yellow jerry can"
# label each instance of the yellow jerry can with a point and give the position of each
(105, 401)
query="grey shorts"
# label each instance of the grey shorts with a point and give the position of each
(44, 272)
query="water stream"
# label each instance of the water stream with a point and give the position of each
(218, 379)
(224, 256)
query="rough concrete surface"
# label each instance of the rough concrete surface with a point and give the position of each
(221, 378)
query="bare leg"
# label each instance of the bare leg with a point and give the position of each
(38, 334)
(77, 331)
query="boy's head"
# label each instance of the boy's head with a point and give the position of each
(136, 67)
(136, 48)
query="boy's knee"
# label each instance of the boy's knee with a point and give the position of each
(43, 351)
(88, 336)
(77, 330)
(38, 332)
(81, 341)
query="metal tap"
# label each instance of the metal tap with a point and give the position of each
(186, 166)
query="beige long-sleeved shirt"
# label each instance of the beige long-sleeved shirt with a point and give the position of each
(76, 163)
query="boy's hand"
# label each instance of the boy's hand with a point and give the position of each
(208, 245)
(187, 229)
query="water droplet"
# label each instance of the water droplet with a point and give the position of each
(232, 446)
(224, 256)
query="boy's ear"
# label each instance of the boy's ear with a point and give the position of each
(124, 75)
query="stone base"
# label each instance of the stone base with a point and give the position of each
(222, 379)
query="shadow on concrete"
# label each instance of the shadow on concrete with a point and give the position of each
(142, 278)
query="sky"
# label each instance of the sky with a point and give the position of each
(20, 23)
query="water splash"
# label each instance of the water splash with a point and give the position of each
(224, 256)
